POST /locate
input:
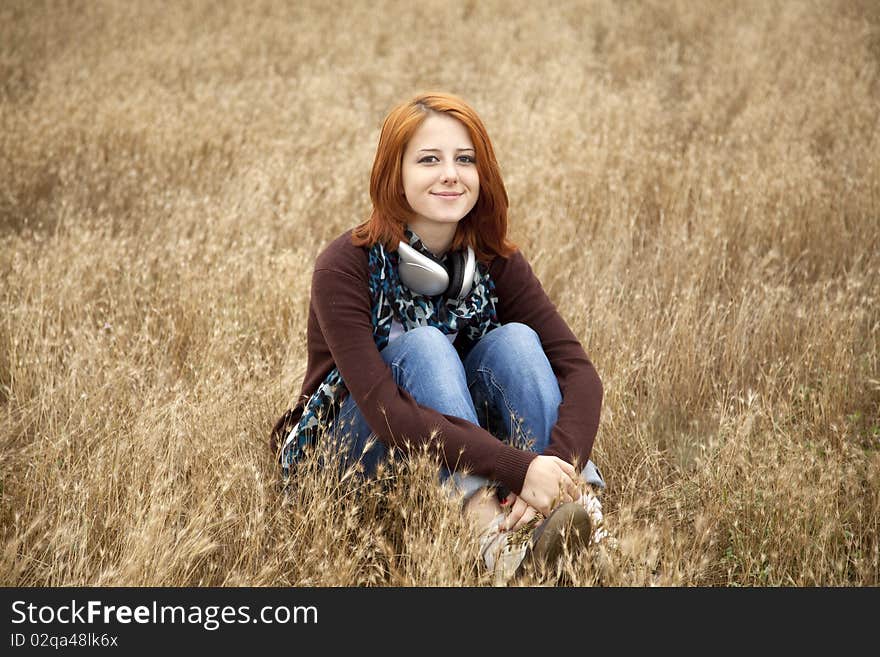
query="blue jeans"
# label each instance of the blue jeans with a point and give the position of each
(505, 384)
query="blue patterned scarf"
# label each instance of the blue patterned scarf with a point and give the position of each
(474, 316)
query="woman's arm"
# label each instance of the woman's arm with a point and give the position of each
(521, 298)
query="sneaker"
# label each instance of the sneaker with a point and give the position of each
(501, 556)
(568, 528)
(593, 506)
(507, 555)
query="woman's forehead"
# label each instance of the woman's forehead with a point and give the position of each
(442, 132)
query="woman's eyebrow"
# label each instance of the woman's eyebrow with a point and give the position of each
(437, 150)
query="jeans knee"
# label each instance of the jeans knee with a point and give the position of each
(516, 343)
(515, 361)
(519, 336)
(426, 355)
(426, 341)
(424, 346)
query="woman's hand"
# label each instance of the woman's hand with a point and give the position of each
(520, 512)
(549, 481)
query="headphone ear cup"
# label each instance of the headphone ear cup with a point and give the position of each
(456, 268)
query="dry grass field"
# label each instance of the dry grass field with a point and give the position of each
(696, 183)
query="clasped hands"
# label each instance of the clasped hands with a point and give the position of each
(549, 482)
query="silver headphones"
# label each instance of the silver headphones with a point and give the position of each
(427, 276)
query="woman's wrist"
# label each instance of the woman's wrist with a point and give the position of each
(511, 466)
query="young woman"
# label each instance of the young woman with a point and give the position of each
(427, 326)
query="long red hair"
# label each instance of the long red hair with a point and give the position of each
(484, 228)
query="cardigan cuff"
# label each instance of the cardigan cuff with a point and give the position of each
(511, 466)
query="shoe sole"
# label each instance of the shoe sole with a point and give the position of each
(568, 528)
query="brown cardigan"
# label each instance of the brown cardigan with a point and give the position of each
(340, 334)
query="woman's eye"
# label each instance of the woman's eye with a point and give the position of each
(431, 159)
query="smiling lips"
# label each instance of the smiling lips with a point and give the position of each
(448, 194)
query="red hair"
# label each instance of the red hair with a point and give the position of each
(484, 228)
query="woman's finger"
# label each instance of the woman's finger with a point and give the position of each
(570, 471)
(526, 517)
(568, 482)
(516, 512)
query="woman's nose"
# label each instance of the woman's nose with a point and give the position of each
(450, 173)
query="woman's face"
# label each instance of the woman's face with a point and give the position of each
(440, 178)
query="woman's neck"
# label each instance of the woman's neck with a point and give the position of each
(437, 238)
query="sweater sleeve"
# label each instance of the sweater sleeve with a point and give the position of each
(522, 299)
(342, 307)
